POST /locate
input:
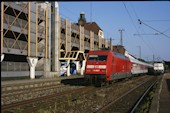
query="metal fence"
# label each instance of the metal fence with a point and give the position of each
(18, 66)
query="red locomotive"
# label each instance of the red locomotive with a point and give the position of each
(104, 65)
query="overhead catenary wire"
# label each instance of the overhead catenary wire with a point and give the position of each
(147, 34)
(130, 17)
(155, 20)
(153, 28)
(134, 10)
(149, 46)
(155, 52)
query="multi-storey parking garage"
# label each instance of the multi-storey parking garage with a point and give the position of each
(35, 37)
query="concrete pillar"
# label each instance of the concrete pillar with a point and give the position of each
(47, 59)
(68, 36)
(55, 38)
(32, 29)
(2, 57)
(81, 47)
(91, 40)
(68, 68)
(32, 61)
(82, 67)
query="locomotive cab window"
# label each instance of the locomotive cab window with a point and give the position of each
(97, 58)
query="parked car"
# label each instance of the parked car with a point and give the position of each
(63, 68)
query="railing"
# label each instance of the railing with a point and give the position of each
(96, 47)
(63, 24)
(10, 42)
(21, 4)
(102, 40)
(41, 11)
(8, 19)
(86, 32)
(41, 50)
(62, 36)
(75, 27)
(96, 38)
(41, 30)
(40, 68)
(18, 66)
(75, 40)
(18, 22)
(87, 44)
(22, 44)
(14, 66)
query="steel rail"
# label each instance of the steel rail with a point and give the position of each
(112, 102)
(37, 91)
(141, 98)
(38, 99)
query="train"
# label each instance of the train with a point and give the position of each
(158, 68)
(105, 66)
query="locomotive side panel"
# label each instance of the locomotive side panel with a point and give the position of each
(110, 62)
(122, 67)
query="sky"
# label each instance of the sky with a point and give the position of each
(151, 34)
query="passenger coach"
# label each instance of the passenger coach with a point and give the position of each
(139, 67)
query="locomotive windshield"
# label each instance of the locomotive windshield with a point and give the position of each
(97, 58)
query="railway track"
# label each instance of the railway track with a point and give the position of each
(95, 100)
(128, 101)
(19, 92)
(30, 93)
(29, 106)
(80, 100)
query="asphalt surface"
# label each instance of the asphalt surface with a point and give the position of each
(164, 101)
